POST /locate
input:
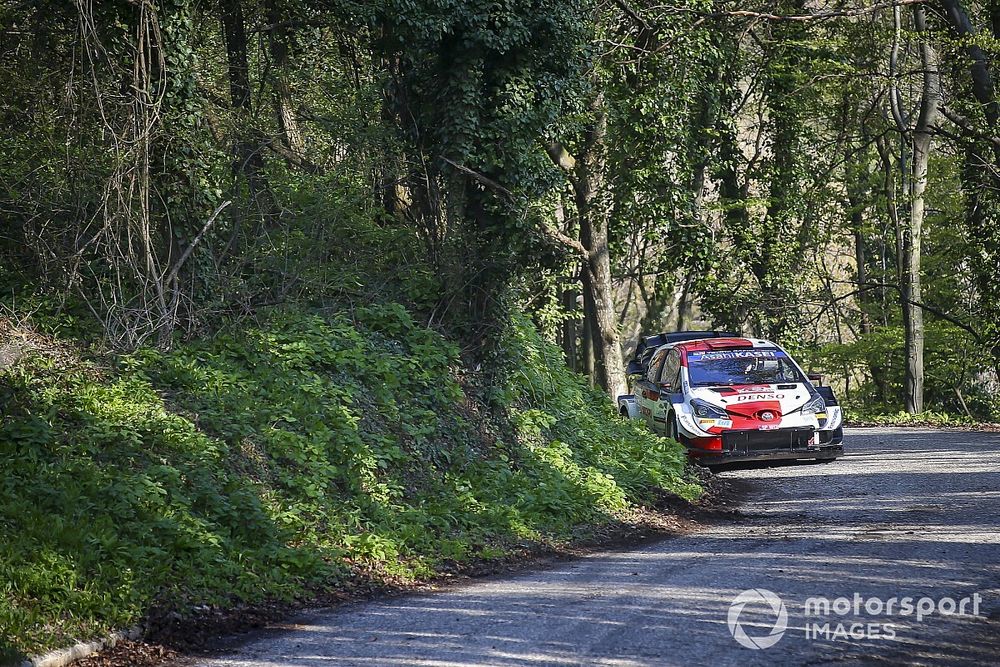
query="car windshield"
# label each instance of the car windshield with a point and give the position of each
(736, 367)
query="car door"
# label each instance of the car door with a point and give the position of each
(647, 393)
(667, 383)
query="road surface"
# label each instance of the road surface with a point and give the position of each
(906, 513)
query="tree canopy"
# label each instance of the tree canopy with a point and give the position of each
(822, 174)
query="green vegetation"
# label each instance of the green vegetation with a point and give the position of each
(956, 381)
(281, 281)
(279, 459)
(863, 417)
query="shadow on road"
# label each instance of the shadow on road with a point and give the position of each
(906, 514)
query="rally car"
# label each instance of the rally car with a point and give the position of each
(729, 398)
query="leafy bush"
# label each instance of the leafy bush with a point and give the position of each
(552, 405)
(956, 376)
(267, 462)
(874, 417)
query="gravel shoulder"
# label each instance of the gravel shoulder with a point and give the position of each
(906, 513)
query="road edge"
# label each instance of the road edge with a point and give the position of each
(67, 656)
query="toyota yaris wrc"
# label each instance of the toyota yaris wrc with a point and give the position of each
(731, 399)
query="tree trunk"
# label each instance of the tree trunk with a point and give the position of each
(569, 328)
(774, 264)
(979, 169)
(589, 349)
(685, 304)
(247, 144)
(611, 371)
(593, 202)
(733, 200)
(913, 318)
(277, 42)
(857, 203)
(593, 208)
(982, 81)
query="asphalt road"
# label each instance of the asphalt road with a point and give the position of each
(906, 513)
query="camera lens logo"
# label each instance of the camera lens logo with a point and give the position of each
(759, 597)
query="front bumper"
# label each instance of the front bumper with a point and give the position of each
(754, 445)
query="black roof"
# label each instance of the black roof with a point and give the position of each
(644, 350)
(680, 336)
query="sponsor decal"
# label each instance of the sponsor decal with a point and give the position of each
(709, 423)
(735, 354)
(760, 397)
(768, 427)
(755, 389)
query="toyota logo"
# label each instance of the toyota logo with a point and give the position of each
(767, 416)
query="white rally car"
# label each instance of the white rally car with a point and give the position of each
(729, 399)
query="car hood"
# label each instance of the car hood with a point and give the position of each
(746, 400)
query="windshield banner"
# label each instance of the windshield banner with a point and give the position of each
(736, 354)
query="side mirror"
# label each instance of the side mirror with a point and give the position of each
(816, 378)
(665, 393)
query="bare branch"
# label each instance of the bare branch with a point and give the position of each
(632, 14)
(567, 241)
(902, 123)
(294, 158)
(194, 243)
(967, 126)
(485, 180)
(923, 306)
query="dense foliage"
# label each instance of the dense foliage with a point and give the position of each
(817, 174)
(283, 458)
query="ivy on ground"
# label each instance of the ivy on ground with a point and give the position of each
(269, 462)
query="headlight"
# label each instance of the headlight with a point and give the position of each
(707, 410)
(815, 404)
